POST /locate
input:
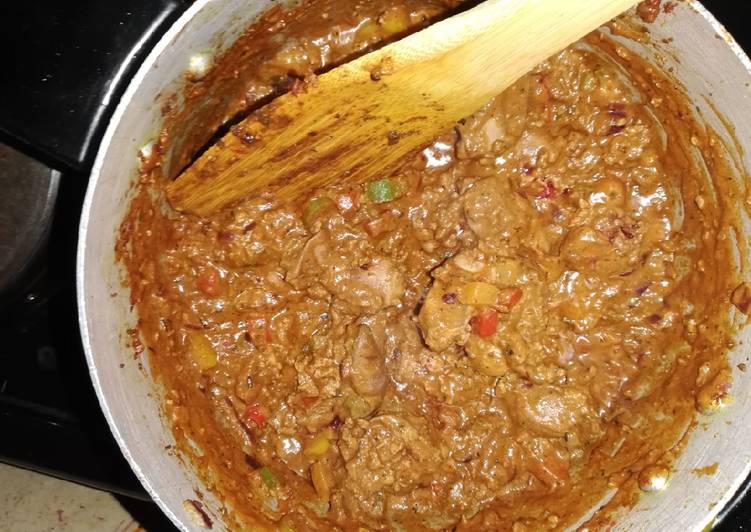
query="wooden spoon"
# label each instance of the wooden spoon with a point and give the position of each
(358, 121)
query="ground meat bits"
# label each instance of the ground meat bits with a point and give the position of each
(648, 10)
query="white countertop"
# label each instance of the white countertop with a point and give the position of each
(30, 502)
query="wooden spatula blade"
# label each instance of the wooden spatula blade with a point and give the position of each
(359, 121)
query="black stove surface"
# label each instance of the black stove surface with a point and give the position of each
(68, 63)
(65, 80)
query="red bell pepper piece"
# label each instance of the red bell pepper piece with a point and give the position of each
(485, 324)
(255, 414)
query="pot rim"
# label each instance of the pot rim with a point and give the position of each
(722, 32)
(83, 310)
(81, 288)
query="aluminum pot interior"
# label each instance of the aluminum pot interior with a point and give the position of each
(704, 59)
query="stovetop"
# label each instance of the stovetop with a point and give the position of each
(65, 66)
(69, 63)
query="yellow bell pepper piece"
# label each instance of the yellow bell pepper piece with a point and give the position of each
(202, 351)
(394, 21)
(367, 31)
(478, 293)
(319, 476)
(318, 446)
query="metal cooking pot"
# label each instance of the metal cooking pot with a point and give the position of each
(704, 58)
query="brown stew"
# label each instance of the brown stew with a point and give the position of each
(481, 341)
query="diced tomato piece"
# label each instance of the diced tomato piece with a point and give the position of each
(308, 400)
(210, 282)
(261, 325)
(377, 226)
(485, 324)
(508, 297)
(254, 324)
(549, 466)
(551, 470)
(741, 298)
(255, 414)
(542, 82)
(548, 190)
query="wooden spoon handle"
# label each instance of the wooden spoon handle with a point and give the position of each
(359, 120)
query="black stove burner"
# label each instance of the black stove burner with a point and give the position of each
(49, 415)
(25, 215)
(69, 64)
